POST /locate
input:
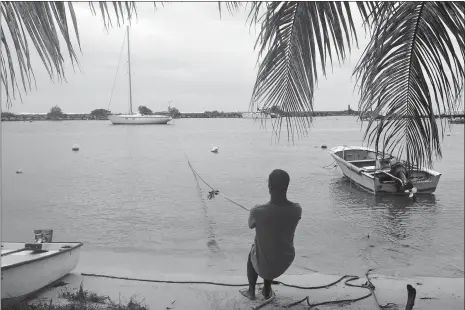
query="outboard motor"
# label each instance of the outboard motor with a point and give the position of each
(399, 171)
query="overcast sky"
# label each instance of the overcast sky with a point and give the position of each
(182, 52)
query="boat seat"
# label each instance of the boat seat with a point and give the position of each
(361, 161)
(369, 168)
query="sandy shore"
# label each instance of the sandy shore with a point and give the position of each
(432, 293)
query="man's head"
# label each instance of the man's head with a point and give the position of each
(278, 181)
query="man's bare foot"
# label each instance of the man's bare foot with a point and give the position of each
(267, 296)
(248, 293)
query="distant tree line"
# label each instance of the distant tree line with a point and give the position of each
(55, 113)
(172, 111)
(7, 114)
(100, 114)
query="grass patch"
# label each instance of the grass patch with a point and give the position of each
(79, 299)
(83, 296)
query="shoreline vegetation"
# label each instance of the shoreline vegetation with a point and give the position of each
(56, 114)
(8, 116)
(11, 117)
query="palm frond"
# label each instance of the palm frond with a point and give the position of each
(412, 69)
(231, 6)
(256, 10)
(294, 37)
(44, 24)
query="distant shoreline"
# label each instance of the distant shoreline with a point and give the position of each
(11, 117)
(68, 117)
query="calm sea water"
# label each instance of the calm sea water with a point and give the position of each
(130, 197)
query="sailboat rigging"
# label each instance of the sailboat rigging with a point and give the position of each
(135, 118)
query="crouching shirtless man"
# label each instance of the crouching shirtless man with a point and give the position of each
(275, 223)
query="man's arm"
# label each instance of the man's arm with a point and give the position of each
(251, 219)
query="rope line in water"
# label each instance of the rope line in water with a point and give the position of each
(217, 192)
(349, 278)
(330, 166)
(214, 191)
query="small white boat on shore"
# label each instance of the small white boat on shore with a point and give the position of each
(378, 175)
(29, 267)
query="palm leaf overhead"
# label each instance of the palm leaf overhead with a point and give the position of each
(294, 37)
(411, 70)
(44, 24)
(231, 6)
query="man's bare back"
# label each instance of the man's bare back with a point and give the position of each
(275, 223)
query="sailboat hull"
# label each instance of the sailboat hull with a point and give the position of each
(139, 119)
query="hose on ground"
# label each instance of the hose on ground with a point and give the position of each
(349, 278)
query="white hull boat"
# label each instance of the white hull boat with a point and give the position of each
(139, 119)
(135, 118)
(378, 175)
(29, 267)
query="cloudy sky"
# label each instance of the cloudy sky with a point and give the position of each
(183, 52)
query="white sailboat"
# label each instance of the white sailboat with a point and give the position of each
(135, 118)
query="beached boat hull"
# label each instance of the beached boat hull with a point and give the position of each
(136, 119)
(24, 273)
(358, 165)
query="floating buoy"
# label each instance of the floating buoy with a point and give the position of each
(323, 146)
(75, 147)
(215, 149)
(19, 171)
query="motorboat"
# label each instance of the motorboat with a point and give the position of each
(380, 173)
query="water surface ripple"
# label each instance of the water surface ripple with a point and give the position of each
(129, 191)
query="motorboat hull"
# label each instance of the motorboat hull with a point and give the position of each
(25, 272)
(358, 165)
(139, 119)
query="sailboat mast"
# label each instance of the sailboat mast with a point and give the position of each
(130, 84)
